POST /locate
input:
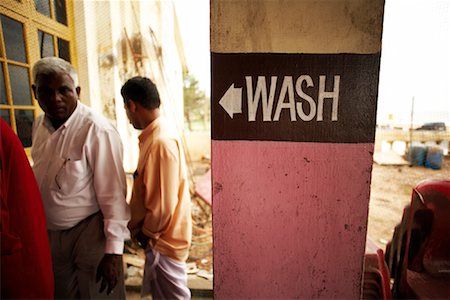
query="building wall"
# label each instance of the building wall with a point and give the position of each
(292, 26)
(29, 31)
(108, 34)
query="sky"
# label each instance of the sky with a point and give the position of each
(415, 62)
(415, 59)
(194, 26)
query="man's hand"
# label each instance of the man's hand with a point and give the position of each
(142, 240)
(108, 271)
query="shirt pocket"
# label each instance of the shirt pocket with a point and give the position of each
(72, 176)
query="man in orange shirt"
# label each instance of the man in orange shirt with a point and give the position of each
(160, 203)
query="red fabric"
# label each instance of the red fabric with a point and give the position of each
(26, 267)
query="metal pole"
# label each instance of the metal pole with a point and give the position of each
(412, 118)
(411, 129)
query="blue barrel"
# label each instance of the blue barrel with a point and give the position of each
(434, 157)
(417, 154)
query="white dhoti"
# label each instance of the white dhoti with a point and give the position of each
(164, 277)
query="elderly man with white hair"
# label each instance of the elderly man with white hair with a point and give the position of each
(77, 158)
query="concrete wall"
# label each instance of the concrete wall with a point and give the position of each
(290, 196)
(105, 60)
(293, 26)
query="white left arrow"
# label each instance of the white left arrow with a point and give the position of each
(232, 101)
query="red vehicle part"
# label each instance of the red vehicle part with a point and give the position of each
(376, 277)
(419, 253)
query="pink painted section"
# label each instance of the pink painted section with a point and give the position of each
(203, 187)
(289, 218)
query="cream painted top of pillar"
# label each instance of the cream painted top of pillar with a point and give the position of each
(296, 26)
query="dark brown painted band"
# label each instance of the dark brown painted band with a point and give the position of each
(351, 120)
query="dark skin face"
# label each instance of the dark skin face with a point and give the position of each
(139, 116)
(130, 109)
(57, 96)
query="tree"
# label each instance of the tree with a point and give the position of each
(196, 105)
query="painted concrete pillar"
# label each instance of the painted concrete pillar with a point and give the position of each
(294, 92)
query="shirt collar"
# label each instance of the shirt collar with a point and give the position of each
(149, 129)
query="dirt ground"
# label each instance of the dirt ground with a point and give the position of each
(391, 190)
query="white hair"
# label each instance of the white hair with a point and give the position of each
(51, 65)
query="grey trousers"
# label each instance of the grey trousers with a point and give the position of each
(76, 253)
